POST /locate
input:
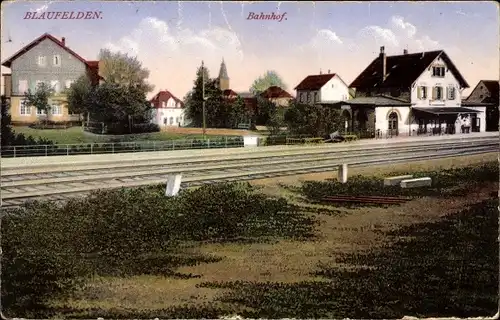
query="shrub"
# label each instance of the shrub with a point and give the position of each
(50, 248)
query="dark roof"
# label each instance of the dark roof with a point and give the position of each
(493, 88)
(274, 92)
(446, 110)
(164, 95)
(484, 103)
(380, 100)
(314, 82)
(7, 63)
(402, 70)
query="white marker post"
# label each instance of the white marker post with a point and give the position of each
(342, 173)
(173, 185)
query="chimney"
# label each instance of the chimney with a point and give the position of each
(384, 63)
(405, 51)
(320, 71)
(63, 40)
(328, 71)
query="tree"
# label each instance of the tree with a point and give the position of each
(276, 120)
(238, 113)
(264, 110)
(122, 69)
(111, 102)
(270, 78)
(7, 134)
(312, 120)
(78, 95)
(216, 107)
(40, 98)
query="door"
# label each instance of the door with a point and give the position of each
(393, 124)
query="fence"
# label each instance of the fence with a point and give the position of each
(119, 147)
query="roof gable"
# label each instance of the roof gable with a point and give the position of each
(7, 63)
(275, 92)
(165, 96)
(402, 70)
(314, 82)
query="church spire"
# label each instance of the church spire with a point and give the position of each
(223, 71)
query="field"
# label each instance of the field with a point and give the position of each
(436, 255)
(75, 135)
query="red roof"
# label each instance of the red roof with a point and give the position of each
(314, 82)
(229, 92)
(7, 63)
(275, 92)
(164, 96)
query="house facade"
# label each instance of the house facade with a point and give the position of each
(322, 88)
(168, 110)
(411, 94)
(46, 59)
(486, 94)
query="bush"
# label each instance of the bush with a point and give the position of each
(50, 248)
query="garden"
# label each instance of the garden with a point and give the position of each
(226, 249)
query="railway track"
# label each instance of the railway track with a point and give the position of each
(24, 184)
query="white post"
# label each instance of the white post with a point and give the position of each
(173, 185)
(342, 173)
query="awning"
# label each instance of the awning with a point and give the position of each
(451, 110)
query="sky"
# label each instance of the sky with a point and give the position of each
(171, 38)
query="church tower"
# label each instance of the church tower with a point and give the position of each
(223, 77)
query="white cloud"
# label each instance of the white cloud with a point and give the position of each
(328, 35)
(42, 8)
(179, 49)
(398, 23)
(381, 35)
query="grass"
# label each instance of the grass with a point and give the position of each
(76, 135)
(370, 262)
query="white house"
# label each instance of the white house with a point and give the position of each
(412, 94)
(168, 110)
(322, 88)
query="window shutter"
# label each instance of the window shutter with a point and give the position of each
(434, 93)
(448, 93)
(419, 92)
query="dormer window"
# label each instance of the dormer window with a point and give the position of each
(438, 71)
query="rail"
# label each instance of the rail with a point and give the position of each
(119, 147)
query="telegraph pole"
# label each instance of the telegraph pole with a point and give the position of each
(203, 96)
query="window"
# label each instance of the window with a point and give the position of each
(37, 84)
(171, 120)
(25, 110)
(308, 97)
(42, 61)
(177, 120)
(57, 60)
(422, 92)
(451, 93)
(315, 97)
(40, 112)
(165, 121)
(438, 71)
(163, 104)
(302, 99)
(68, 84)
(22, 86)
(55, 85)
(437, 93)
(56, 109)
